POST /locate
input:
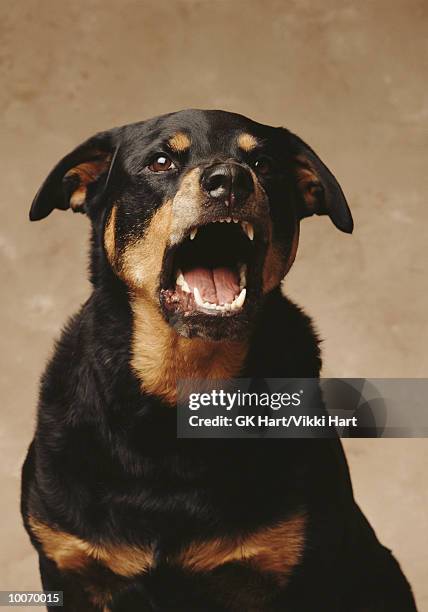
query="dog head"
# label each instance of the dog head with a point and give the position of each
(197, 211)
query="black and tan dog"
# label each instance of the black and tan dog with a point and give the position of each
(195, 220)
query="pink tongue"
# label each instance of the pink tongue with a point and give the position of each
(216, 286)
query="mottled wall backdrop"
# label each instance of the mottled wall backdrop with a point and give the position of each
(348, 76)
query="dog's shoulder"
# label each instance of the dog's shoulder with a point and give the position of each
(89, 363)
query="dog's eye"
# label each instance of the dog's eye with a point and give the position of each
(161, 163)
(263, 166)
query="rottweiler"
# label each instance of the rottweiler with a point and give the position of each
(195, 222)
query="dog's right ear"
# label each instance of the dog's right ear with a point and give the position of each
(78, 178)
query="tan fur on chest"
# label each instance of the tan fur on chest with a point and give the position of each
(71, 553)
(161, 357)
(275, 550)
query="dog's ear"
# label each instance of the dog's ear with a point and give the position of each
(78, 178)
(320, 192)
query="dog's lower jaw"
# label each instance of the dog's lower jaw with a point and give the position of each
(161, 356)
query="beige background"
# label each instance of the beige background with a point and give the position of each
(348, 76)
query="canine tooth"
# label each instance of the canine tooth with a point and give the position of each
(197, 296)
(228, 220)
(193, 233)
(248, 229)
(235, 220)
(181, 282)
(221, 220)
(241, 298)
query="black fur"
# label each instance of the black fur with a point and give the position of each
(105, 463)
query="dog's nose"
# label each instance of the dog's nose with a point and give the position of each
(228, 182)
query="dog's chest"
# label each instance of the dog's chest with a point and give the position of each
(270, 552)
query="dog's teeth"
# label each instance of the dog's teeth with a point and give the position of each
(248, 229)
(197, 296)
(242, 276)
(235, 220)
(181, 282)
(193, 233)
(235, 305)
(241, 298)
(228, 220)
(221, 220)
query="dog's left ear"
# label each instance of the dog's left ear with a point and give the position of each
(77, 180)
(320, 192)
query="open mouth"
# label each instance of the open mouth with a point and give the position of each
(214, 270)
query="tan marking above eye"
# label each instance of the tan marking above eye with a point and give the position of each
(247, 142)
(180, 142)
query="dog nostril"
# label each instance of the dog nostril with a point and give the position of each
(243, 184)
(227, 181)
(217, 182)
